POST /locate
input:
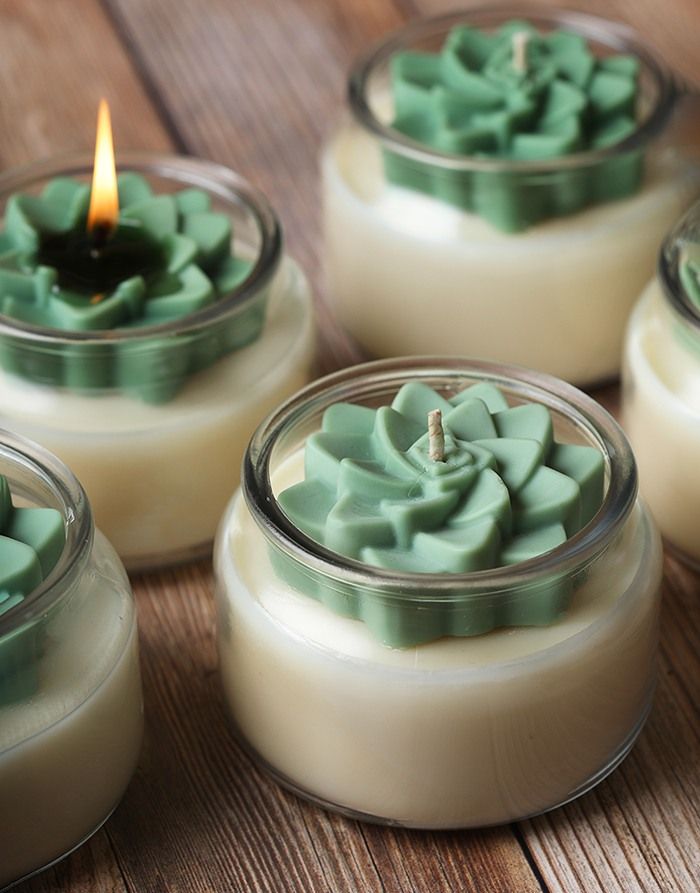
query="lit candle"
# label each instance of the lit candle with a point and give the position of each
(71, 266)
(143, 338)
(479, 206)
(103, 268)
(463, 642)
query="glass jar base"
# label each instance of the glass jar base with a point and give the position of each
(57, 859)
(357, 815)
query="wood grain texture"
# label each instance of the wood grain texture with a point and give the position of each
(257, 84)
(639, 830)
(92, 868)
(57, 60)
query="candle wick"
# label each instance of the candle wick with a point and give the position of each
(99, 234)
(436, 436)
(519, 42)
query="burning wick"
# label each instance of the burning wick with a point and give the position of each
(104, 201)
(99, 235)
(436, 436)
(520, 40)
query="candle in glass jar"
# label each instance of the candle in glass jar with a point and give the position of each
(474, 209)
(145, 350)
(447, 663)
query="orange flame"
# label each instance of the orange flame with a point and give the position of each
(104, 201)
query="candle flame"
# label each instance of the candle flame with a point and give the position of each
(104, 201)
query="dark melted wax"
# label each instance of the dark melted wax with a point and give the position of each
(96, 262)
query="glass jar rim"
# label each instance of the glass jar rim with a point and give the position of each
(616, 35)
(572, 555)
(215, 178)
(668, 268)
(78, 525)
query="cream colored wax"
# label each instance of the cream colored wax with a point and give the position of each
(454, 733)
(68, 752)
(158, 477)
(409, 274)
(662, 418)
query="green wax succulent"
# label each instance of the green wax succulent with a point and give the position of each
(168, 257)
(504, 492)
(689, 272)
(31, 541)
(472, 99)
(685, 269)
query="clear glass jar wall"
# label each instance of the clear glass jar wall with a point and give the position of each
(71, 709)
(453, 732)
(661, 392)
(157, 437)
(410, 271)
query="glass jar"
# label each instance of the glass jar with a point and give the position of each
(70, 689)
(156, 432)
(528, 262)
(661, 392)
(459, 730)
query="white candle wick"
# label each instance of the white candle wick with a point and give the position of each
(436, 436)
(520, 40)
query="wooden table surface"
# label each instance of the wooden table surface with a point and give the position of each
(256, 84)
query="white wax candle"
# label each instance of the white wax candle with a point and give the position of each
(456, 732)
(409, 274)
(662, 418)
(68, 752)
(158, 477)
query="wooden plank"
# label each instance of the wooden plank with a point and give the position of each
(638, 832)
(462, 862)
(91, 869)
(57, 60)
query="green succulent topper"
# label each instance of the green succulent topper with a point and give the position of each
(689, 273)
(501, 491)
(515, 94)
(168, 257)
(31, 542)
